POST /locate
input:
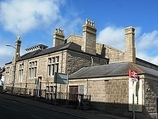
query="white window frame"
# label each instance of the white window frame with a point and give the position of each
(32, 69)
(53, 65)
(7, 73)
(21, 71)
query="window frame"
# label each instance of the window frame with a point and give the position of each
(52, 65)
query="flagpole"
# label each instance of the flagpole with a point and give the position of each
(133, 76)
(133, 103)
(67, 89)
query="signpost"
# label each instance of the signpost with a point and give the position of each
(133, 76)
(61, 78)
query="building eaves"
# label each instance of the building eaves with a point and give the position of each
(148, 71)
(111, 70)
(146, 64)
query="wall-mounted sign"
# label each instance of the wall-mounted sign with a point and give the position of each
(61, 78)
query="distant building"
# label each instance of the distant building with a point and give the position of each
(95, 69)
(2, 72)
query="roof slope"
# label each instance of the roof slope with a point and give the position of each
(110, 70)
(36, 53)
(148, 71)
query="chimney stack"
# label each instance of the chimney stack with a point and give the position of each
(17, 47)
(130, 53)
(58, 38)
(89, 37)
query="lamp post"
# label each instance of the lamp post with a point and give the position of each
(14, 67)
(16, 53)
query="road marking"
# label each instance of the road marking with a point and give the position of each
(9, 108)
(36, 117)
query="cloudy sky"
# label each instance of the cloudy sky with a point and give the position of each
(36, 20)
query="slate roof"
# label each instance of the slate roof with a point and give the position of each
(110, 70)
(36, 53)
(39, 46)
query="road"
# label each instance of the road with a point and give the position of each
(10, 109)
(16, 107)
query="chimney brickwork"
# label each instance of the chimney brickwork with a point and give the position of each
(89, 37)
(58, 38)
(17, 47)
(130, 53)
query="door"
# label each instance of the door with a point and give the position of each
(39, 86)
(73, 92)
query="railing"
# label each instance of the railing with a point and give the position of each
(61, 98)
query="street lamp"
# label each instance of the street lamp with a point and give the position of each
(10, 46)
(16, 52)
(14, 67)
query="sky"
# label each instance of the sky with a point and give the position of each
(36, 20)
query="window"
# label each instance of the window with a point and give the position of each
(53, 65)
(50, 89)
(57, 59)
(53, 59)
(49, 60)
(81, 89)
(32, 69)
(47, 88)
(7, 75)
(21, 68)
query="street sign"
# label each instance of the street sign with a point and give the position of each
(61, 78)
(133, 75)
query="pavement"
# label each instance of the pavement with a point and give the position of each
(85, 114)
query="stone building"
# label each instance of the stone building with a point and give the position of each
(112, 92)
(65, 56)
(94, 69)
(109, 85)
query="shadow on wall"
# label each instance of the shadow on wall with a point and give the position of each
(149, 109)
(103, 54)
(120, 110)
(151, 97)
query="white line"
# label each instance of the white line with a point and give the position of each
(9, 108)
(36, 117)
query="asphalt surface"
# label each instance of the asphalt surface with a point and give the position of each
(10, 109)
(25, 108)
